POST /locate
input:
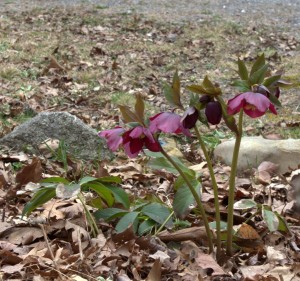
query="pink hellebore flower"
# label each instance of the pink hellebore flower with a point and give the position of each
(167, 122)
(135, 139)
(113, 137)
(253, 104)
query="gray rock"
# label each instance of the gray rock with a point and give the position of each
(81, 140)
(254, 150)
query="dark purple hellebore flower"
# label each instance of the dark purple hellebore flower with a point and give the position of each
(190, 118)
(213, 112)
(254, 104)
(167, 122)
(205, 99)
(113, 137)
(135, 139)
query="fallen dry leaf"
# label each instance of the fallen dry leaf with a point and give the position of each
(30, 173)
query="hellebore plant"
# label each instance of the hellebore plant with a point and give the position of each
(258, 94)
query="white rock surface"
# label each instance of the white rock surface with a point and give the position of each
(254, 150)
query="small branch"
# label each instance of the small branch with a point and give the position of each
(51, 253)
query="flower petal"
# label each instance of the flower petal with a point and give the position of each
(235, 104)
(258, 100)
(167, 122)
(213, 112)
(113, 137)
(189, 118)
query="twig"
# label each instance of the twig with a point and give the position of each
(51, 253)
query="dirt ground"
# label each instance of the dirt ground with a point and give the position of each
(280, 13)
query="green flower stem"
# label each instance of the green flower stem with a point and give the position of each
(234, 164)
(164, 223)
(89, 217)
(215, 189)
(196, 197)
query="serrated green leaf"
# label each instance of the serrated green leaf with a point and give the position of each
(55, 180)
(127, 220)
(183, 196)
(270, 218)
(259, 63)
(157, 212)
(258, 76)
(139, 108)
(243, 72)
(40, 197)
(109, 213)
(271, 80)
(146, 226)
(120, 196)
(245, 204)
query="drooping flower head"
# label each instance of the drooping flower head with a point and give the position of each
(190, 118)
(113, 137)
(135, 139)
(213, 109)
(167, 122)
(253, 104)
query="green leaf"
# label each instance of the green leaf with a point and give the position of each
(271, 80)
(198, 89)
(160, 163)
(55, 180)
(259, 63)
(171, 96)
(284, 84)
(126, 221)
(258, 76)
(139, 206)
(242, 85)
(128, 115)
(283, 225)
(120, 196)
(245, 204)
(207, 84)
(183, 197)
(109, 179)
(274, 100)
(176, 89)
(85, 180)
(146, 226)
(157, 212)
(40, 197)
(103, 192)
(243, 72)
(109, 213)
(139, 108)
(213, 225)
(270, 218)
